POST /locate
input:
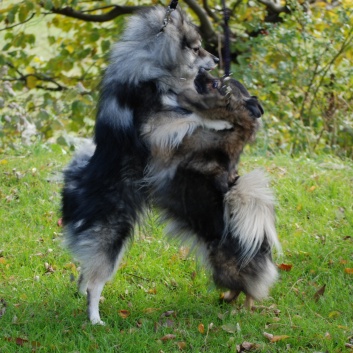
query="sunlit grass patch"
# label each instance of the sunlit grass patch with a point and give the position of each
(161, 299)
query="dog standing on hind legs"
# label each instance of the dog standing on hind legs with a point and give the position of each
(106, 191)
(104, 194)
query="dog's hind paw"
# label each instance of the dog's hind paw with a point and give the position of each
(97, 321)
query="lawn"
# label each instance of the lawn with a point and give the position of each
(162, 300)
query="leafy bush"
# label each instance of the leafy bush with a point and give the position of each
(298, 63)
(302, 72)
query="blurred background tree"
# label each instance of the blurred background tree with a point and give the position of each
(297, 56)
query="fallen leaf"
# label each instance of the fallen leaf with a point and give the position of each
(349, 271)
(334, 314)
(150, 310)
(201, 328)
(247, 346)
(320, 293)
(152, 291)
(124, 313)
(311, 189)
(343, 327)
(181, 345)
(168, 313)
(285, 267)
(2, 260)
(224, 315)
(18, 340)
(274, 338)
(168, 337)
(230, 328)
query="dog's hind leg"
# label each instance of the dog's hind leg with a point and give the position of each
(99, 251)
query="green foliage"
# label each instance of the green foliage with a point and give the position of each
(299, 66)
(303, 74)
(40, 310)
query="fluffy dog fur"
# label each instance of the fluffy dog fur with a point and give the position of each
(108, 185)
(201, 166)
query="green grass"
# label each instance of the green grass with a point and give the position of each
(44, 314)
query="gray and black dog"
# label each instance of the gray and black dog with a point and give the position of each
(109, 184)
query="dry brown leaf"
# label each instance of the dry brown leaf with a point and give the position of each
(22, 341)
(201, 328)
(279, 338)
(274, 338)
(285, 267)
(124, 313)
(150, 310)
(247, 346)
(168, 313)
(349, 271)
(181, 345)
(168, 337)
(320, 293)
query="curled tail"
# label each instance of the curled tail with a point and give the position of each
(250, 216)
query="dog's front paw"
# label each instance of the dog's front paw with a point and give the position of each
(254, 107)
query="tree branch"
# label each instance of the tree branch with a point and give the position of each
(206, 27)
(108, 16)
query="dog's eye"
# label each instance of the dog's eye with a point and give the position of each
(196, 49)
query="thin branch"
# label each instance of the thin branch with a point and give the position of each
(39, 77)
(209, 11)
(17, 24)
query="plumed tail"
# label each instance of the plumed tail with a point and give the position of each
(249, 214)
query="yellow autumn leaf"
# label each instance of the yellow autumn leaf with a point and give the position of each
(2, 261)
(334, 314)
(30, 70)
(70, 49)
(31, 82)
(349, 271)
(279, 338)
